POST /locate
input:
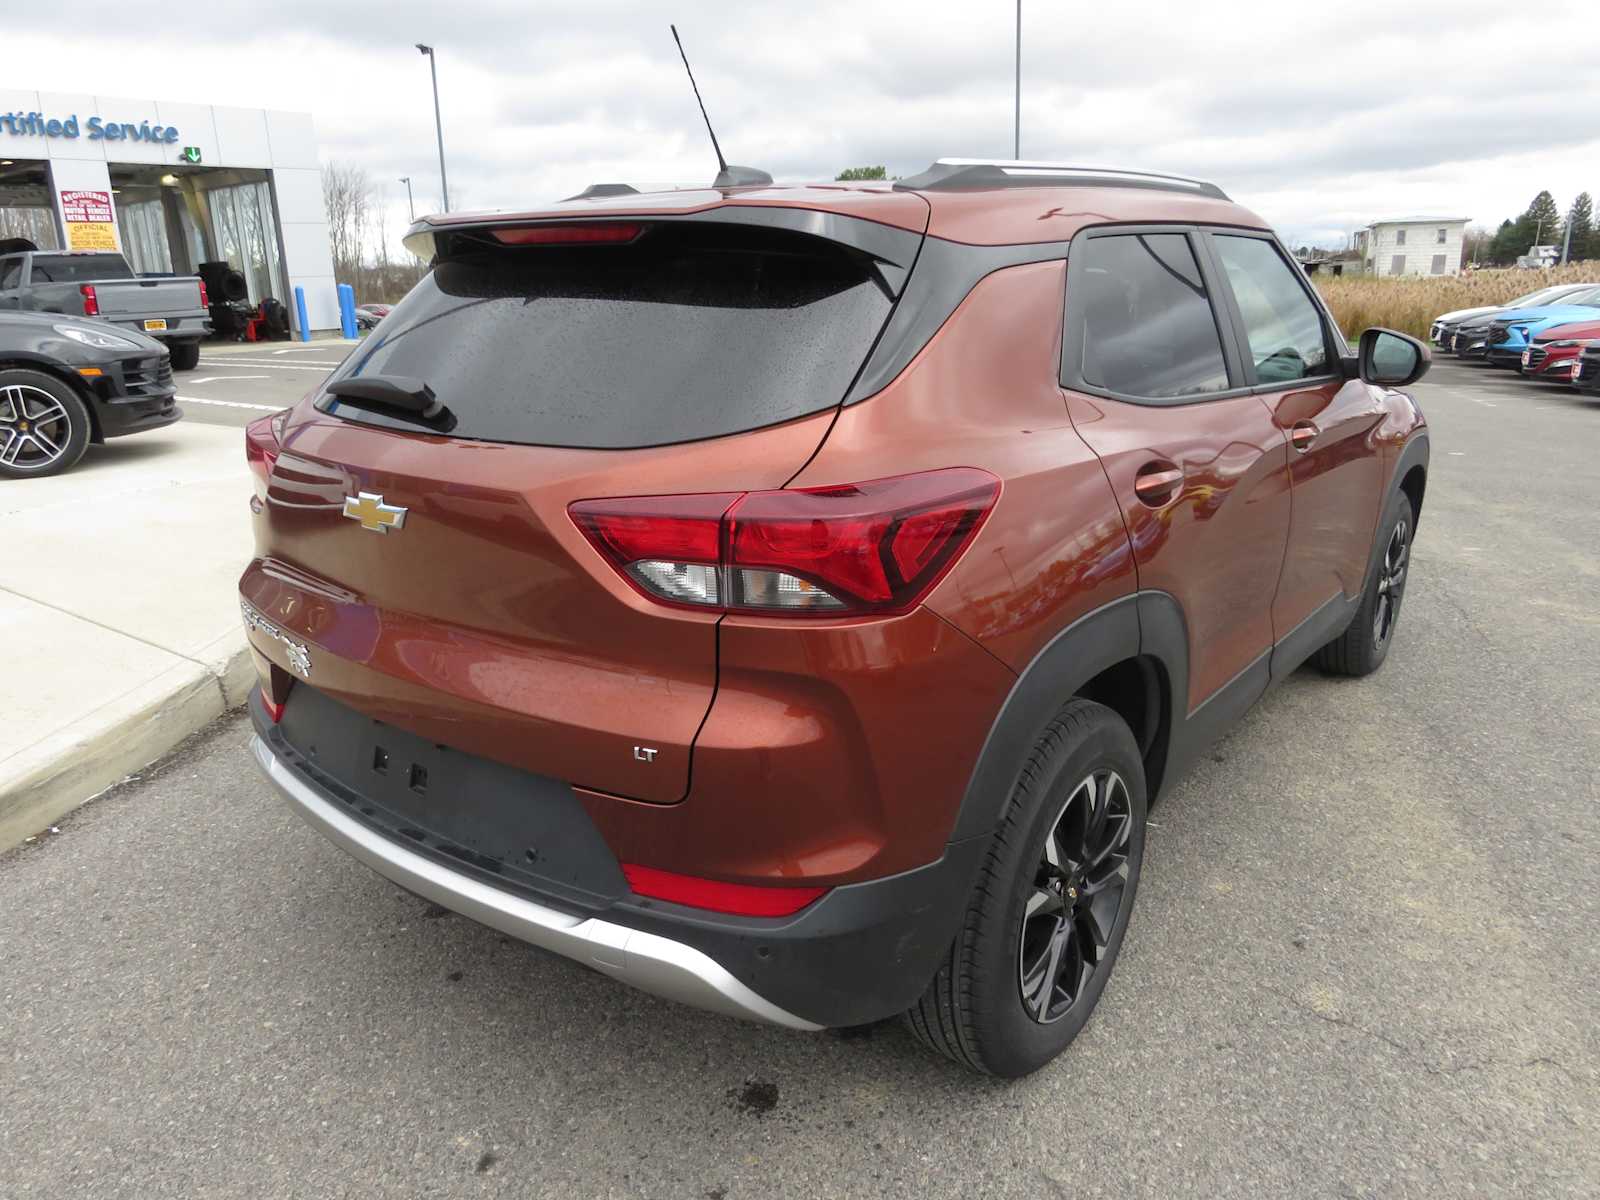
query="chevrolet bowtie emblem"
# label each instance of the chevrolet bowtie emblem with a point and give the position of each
(373, 513)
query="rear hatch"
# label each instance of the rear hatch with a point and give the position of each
(657, 356)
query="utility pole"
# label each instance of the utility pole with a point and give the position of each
(438, 123)
(410, 204)
(1016, 136)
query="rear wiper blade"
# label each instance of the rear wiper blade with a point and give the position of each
(400, 395)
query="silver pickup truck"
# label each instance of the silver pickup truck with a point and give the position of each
(100, 284)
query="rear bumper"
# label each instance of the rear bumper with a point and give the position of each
(646, 960)
(862, 952)
(180, 326)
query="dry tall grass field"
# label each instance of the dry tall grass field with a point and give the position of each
(1410, 302)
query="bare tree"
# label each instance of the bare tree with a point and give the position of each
(347, 195)
(358, 228)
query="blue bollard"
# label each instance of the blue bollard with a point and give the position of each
(300, 311)
(347, 310)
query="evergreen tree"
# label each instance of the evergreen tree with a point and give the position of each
(1543, 220)
(850, 174)
(1502, 249)
(1581, 221)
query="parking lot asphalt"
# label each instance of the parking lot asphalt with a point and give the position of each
(1363, 960)
(235, 384)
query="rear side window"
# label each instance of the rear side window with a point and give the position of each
(1287, 339)
(1148, 327)
(67, 268)
(695, 330)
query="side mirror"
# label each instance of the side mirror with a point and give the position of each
(1391, 359)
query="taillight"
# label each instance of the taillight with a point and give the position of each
(205, 301)
(91, 301)
(739, 899)
(261, 446)
(865, 548)
(612, 232)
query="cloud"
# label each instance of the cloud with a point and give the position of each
(1319, 119)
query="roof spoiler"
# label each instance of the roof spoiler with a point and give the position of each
(956, 174)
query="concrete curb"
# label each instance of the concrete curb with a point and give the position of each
(128, 732)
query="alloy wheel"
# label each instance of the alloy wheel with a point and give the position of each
(35, 429)
(1391, 582)
(1079, 892)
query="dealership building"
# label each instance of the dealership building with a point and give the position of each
(171, 186)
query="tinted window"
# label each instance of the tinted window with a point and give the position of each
(1148, 328)
(1287, 340)
(693, 331)
(10, 273)
(71, 268)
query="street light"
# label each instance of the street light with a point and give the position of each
(438, 124)
(406, 179)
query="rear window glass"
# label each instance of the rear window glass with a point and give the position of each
(65, 268)
(695, 330)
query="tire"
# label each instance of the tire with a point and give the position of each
(1362, 647)
(993, 1005)
(44, 426)
(185, 355)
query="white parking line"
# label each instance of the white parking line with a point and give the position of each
(230, 404)
(225, 378)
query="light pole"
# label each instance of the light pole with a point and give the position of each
(1016, 136)
(410, 206)
(438, 124)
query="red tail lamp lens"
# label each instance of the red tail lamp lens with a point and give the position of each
(867, 548)
(205, 300)
(567, 234)
(738, 899)
(261, 448)
(91, 301)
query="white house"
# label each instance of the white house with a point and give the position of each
(1413, 246)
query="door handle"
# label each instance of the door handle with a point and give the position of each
(1302, 434)
(1157, 483)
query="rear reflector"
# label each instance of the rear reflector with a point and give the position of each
(867, 548)
(738, 899)
(567, 234)
(275, 711)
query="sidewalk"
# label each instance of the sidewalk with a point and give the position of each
(118, 614)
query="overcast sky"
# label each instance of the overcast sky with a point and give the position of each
(1319, 117)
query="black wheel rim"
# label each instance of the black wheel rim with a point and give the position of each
(34, 428)
(1077, 898)
(1391, 582)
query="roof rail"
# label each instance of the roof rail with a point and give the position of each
(954, 174)
(596, 190)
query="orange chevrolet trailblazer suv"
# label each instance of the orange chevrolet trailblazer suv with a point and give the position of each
(789, 599)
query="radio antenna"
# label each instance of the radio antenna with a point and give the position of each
(726, 176)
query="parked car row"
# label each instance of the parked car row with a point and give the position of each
(1551, 334)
